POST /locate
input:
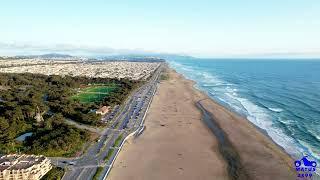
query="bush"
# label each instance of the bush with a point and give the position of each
(98, 173)
(55, 173)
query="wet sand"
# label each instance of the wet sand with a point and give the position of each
(189, 136)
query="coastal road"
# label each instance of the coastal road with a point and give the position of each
(129, 119)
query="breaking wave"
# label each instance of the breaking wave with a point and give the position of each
(276, 109)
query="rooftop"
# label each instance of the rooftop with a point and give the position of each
(16, 162)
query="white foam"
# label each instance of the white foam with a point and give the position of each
(259, 117)
(208, 78)
(287, 122)
(276, 109)
(207, 85)
(316, 135)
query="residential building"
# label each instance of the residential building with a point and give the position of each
(23, 167)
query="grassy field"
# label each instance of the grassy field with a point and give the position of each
(94, 93)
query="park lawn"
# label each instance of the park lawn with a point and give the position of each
(94, 93)
(101, 89)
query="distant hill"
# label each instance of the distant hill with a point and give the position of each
(45, 56)
(144, 58)
(55, 55)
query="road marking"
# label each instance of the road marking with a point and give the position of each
(80, 174)
(90, 166)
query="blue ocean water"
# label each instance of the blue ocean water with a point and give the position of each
(280, 96)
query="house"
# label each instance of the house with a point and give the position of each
(103, 110)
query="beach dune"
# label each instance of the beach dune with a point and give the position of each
(178, 143)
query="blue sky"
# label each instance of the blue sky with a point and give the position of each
(202, 28)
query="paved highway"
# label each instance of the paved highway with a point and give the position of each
(128, 119)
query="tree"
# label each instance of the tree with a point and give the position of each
(4, 125)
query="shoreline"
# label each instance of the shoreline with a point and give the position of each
(175, 125)
(262, 131)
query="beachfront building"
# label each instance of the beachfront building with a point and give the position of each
(23, 167)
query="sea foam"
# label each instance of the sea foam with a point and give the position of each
(276, 109)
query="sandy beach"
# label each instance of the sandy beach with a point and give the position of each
(189, 136)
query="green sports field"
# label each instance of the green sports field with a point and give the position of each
(94, 93)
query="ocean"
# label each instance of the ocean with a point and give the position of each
(282, 97)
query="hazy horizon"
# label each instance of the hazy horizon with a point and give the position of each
(27, 49)
(201, 29)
